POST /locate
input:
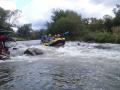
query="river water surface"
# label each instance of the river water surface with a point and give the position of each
(89, 66)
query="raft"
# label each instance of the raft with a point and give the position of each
(56, 42)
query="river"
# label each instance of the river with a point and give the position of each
(89, 66)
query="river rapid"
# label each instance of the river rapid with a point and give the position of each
(87, 66)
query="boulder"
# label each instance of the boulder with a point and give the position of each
(33, 51)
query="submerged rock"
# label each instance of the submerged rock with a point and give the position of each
(102, 47)
(33, 51)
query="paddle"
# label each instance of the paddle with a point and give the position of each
(65, 33)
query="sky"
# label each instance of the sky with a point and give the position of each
(38, 12)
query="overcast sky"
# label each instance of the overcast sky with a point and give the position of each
(38, 12)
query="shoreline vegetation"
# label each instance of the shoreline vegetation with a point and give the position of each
(100, 30)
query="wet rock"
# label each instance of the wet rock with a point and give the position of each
(33, 51)
(102, 47)
(78, 44)
(4, 57)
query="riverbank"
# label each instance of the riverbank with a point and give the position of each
(100, 37)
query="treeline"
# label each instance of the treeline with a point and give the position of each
(25, 32)
(106, 29)
(9, 19)
(5, 20)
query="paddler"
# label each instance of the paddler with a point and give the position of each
(3, 48)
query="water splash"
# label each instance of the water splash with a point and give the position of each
(71, 49)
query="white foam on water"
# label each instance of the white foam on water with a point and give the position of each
(71, 49)
(88, 50)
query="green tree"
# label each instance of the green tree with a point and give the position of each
(108, 23)
(7, 18)
(25, 31)
(3, 18)
(37, 34)
(58, 14)
(117, 15)
(95, 24)
(63, 21)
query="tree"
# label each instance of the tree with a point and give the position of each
(108, 23)
(7, 19)
(12, 17)
(63, 21)
(117, 15)
(95, 24)
(57, 15)
(3, 17)
(86, 21)
(37, 34)
(25, 31)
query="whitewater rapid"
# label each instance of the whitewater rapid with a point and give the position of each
(71, 49)
(83, 66)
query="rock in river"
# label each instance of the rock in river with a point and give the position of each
(33, 51)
